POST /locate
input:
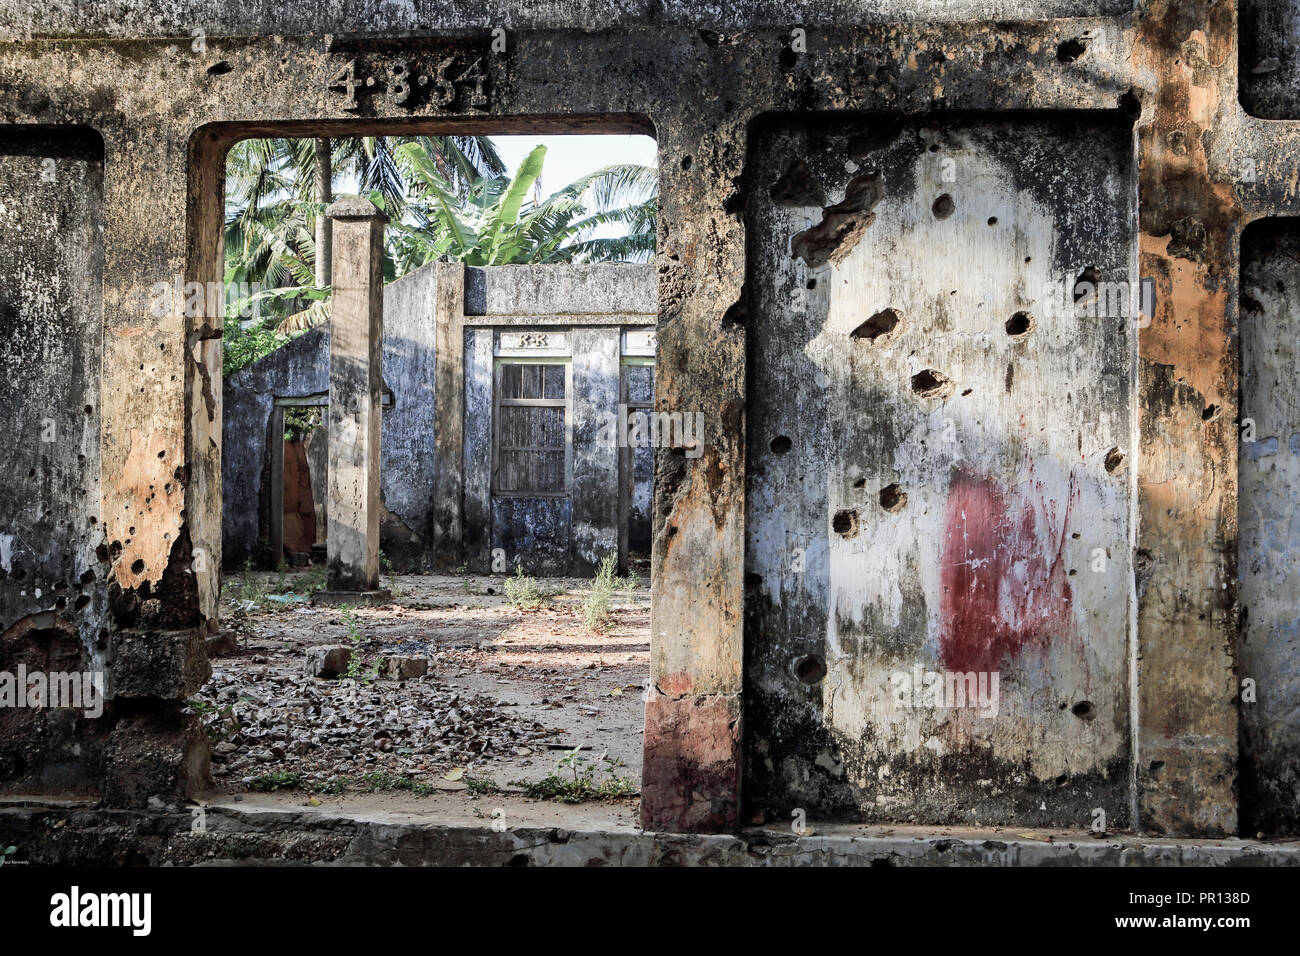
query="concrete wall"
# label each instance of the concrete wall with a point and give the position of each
(301, 369)
(701, 80)
(1269, 542)
(53, 560)
(545, 535)
(972, 528)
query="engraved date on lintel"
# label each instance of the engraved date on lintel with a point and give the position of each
(410, 83)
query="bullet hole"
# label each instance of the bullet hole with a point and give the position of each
(137, 566)
(163, 453)
(1062, 780)
(799, 186)
(993, 220)
(860, 483)
(89, 410)
(1114, 460)
(812, 284)
(881, 329)
(893, 498)
(1211, 412)
(810, 669)
(780, 445)
(843, 224)
(87, 576)
(81, 602)
(220, 68)
(1085, 710)
(1071, 50)
(672, 531)
(1020, 324)
(1155, 767)
(1085, 287)
(787, 58)
(845, 523)
(101, 553)
(943, 207)
(753, 581)
(1130, 104)
(928, 383)
(737, 313)
(686, 163)
(966, 391)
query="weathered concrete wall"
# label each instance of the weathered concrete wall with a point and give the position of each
(244, 17)
(53, 561)
(971, 523)
(1269, 543)
(555, 310)
(167, 107)
(301, 369)
(540, 533)
(1270, 62)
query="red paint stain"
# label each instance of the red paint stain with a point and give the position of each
(1004, 584)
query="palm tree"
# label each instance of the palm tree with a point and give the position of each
(445, 197)
(493, 222)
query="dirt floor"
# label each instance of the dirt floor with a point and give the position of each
(509, 695)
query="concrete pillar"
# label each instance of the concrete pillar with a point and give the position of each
(356, 382)
(595, 460)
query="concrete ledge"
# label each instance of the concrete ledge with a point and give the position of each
(262, 836)
(353, 598)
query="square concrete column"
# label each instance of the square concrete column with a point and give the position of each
(356, 382)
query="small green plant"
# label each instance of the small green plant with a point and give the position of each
(6, 852)
(279, 780)
(583, 783)
(384, 563)
(351, 623)
(595, 608)
(220, 723)
(481, 785)
(313, 579)
(522, 591)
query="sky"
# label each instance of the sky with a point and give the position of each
(568, 157)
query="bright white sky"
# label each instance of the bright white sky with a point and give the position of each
(568, 157)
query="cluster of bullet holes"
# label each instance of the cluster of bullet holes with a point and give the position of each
(810, 669)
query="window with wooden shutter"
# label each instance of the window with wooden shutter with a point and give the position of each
(532, 435)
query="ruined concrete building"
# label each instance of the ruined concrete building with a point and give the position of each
(579, 339)
(989, 309)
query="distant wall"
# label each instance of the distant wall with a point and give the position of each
(549, 536)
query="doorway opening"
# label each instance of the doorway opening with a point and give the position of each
(507, 670)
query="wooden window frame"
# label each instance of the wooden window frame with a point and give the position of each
(566, 403)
